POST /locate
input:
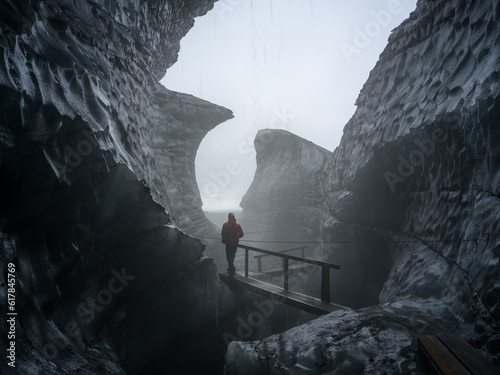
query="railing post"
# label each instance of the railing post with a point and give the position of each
(259, 260)
(285, 273)
(325, 283)
(246, 262)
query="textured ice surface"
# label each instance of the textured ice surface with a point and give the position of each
(96, 161)
(418, 162)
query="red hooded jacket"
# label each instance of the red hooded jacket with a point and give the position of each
(231, 232)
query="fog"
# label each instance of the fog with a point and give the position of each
(289, 64)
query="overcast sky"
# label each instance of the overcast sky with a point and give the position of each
(296, 65)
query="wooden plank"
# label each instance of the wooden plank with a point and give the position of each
(440, 358)
(474, 361)
(246, 262)
(297, 300)
(325, 284)
(285, 273)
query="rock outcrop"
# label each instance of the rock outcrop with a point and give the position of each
(181, 124)
(288, 176)
(289, 201)
(417, 175)
(94, 185)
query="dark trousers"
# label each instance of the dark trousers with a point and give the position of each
(230, 254)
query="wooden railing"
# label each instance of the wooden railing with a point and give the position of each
(325, 268)
(259, 257)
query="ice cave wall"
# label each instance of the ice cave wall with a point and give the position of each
(419, 162)
(93, 185)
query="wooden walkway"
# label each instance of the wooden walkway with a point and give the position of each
(277, 294)
(283, 295)
(452, 355)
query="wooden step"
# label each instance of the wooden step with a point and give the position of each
(451, 354)
(297, 300)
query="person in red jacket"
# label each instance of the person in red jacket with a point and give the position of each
(231, 234)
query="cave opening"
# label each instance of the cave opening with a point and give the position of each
(296, 66)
